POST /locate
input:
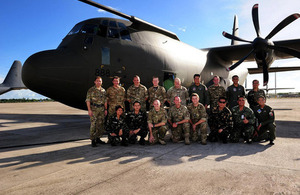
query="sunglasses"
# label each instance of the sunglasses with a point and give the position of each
(222, 102)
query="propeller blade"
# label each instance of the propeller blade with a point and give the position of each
(283, 24)
(286, 50)
(232, 37)
(240, 61)
(265, 72)
(255, 19)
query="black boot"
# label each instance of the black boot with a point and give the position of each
(124, 142)
(271, 142)
(99, 141)
(94, 143)
(142, 141)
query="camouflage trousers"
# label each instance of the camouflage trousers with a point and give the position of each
(159, 133)
(97, 123)
(244, 131)
(181, 131)
(266, 132)
(200, 134)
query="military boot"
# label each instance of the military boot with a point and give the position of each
(93, 142)
(99, 141)
(187, 139)
(162, 142)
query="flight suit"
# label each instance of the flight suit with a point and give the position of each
(137, 94)
(137, 121)
(115, 96)
(266, 117)
(239, 128)
(97, 99)
(214, 93)
(233, 93)
(252, 97)
(155, 117)
(220, 119)
(177, 115)
(181, 92)
(198, 113)
(202, 92)
(157, 93)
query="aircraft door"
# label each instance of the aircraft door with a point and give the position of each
(168, 80)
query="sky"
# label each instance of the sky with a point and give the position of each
(30, 26)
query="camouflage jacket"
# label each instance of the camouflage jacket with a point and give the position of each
(202, 91)
(214, 93)
(157, 93)
(220, 119)
(114, 124)
(116, 96)
(137, 93)
(232, 93)
(197, 113)
(178, 114)
(136, 121)
(239, 115)
(96, 96)
(181, 92)
(264, 115)
(252, 97)
(157, 116)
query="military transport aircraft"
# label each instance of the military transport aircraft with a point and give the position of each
(108, 46)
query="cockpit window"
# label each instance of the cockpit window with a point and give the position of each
(89, 29)
(105, 22)
(75, 29)
(113, 24)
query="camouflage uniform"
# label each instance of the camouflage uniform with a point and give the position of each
(97, 99)
(136, 121)
(252, 97)
(181, 92)
(266, 117)
(155, 117)
(196, 114)
(214, 93)
(233, 93)
(202, 92)
(157, 93)
(137, 94)
(115, 96)
(177, 115)
(114, 125)
(220, 119)
(239, 128)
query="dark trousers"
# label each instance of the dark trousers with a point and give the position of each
(214, 135)
(142, 133)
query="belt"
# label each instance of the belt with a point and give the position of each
(97, 105)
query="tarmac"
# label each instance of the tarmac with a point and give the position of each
(44, 149)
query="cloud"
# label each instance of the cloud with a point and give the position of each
(103, 11)
(183, 29)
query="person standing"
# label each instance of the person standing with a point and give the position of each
(234, 91)
(97, 110)
(115, 95)
(200, 89)
(215, 91)
(253, 94)
(198, 118)
(137, 92)
(156, 92)
(266, 122)
(179, 91)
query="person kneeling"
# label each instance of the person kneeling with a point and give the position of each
(117, 128)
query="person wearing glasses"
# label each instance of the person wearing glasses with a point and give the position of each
(220, 122)
(243, 120)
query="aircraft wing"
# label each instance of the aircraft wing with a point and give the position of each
(234, 53)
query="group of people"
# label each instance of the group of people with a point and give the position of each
(190, 114)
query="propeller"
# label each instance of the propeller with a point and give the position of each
(261, 46)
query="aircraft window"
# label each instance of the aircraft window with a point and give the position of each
(102, 30)
(113, 33)
(121, 25)
(88, 40)
(125, 34)
(105, 56)
(89, 29)
(75, 29)
(105, 22)
(112, 23)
